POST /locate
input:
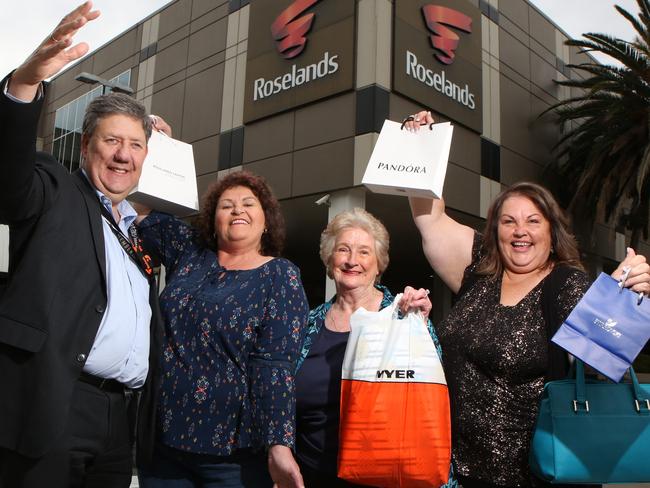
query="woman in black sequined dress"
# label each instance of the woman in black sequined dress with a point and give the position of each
(497, 354)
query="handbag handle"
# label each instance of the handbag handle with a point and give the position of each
(581, 403)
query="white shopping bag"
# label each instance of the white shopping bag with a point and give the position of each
(395, 427)
(168, 180)
(406, 163)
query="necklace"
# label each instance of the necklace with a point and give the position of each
(334, 326)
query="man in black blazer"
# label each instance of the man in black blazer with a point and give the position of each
(79, 330)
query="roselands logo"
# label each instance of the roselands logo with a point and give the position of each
(439, 19)
(289, 32)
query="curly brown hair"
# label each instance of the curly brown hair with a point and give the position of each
(564, 247)
(272, 241)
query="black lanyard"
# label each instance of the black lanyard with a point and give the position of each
(132, 247)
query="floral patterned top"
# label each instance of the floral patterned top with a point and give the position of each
(232, 338)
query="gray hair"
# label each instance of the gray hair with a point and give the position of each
(114, 104)
(357, 218)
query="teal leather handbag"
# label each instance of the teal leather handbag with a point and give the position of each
(592, 431)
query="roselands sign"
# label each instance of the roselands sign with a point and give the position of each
(298, 51)
(437, 57)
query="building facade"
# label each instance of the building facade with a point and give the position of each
(297, 91)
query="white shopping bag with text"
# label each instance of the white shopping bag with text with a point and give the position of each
(168, 180)
(407, 163)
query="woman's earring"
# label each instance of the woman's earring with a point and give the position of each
(265, 230)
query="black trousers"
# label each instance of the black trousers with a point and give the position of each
(94, 452)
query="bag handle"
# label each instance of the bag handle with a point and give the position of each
(581, 403)
(410, 118)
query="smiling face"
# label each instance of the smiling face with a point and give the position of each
(354, 261)
(524, 235)
(114, 154)
(239, 219)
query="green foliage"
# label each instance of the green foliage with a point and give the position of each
(603, 156)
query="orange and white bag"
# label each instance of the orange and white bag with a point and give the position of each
(395, 428)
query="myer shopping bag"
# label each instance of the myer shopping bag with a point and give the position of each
(406, 163)
(168, 180)
(395, 422)
(607, 329)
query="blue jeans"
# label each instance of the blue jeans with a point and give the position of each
(172, 468)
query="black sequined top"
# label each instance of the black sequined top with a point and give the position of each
(495, 361)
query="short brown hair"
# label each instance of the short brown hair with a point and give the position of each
(272, 241)
(564, 247)
(357, 218)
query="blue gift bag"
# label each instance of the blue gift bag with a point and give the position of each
(607, 329)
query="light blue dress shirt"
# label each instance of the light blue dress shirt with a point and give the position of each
(121, 347)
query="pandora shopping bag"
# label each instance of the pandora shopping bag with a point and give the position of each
(395, 421)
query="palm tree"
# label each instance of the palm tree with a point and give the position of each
(604, 151)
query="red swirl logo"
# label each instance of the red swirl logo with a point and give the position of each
(289, 32)
(443, 39)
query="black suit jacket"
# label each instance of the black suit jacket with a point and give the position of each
(56, 292)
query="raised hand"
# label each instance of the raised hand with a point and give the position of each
(52, 54)
(423, 117)
(638, 277)
(413, 299)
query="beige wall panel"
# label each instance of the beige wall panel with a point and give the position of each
(330, 120)
(168, 81)
(515, 11)
(269, 137)
(176, 15)
(208, 41)
(542, 52)
(400, 107)
(206, 155)
(488, 106)
(514, 54)
(202, 114)
(171, 60)
(112, 72)
(363, 146)
(516, 168)
(244, 16)
(277, 172)
(116, 51)
(214, 15)
(514, 30)
(543, 75)
(513, 75)
(495, 95)
(466, 149)
(325, 167)
(201, 7)
(577, 57)
(542, 30)
(206, 63)
(544, 132)
(65, 83)
(515, 116)
(240, 79)
(168, 103)
(203, 182)
(173, 38)
(228, 100)
(374, 35)
(462, 190)
(233, 29)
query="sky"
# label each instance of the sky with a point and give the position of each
(25, 23)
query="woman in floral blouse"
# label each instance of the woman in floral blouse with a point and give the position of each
(234, 317)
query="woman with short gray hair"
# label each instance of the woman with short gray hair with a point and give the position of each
(354, 249)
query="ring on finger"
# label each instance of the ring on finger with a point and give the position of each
(54, 39)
